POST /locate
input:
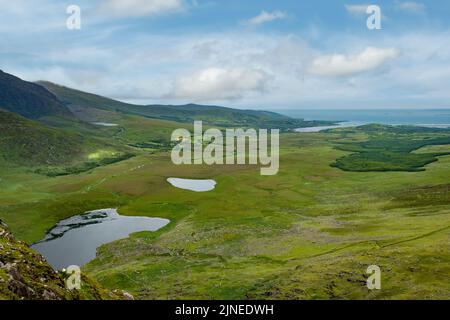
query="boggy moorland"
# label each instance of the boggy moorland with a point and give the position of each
(342, 200)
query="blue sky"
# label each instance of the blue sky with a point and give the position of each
(256, 54)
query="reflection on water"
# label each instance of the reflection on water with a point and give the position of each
(74, 241)
(105, 124)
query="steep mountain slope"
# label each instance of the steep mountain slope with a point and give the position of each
(29, 99)
(86, 106)
(91, 107)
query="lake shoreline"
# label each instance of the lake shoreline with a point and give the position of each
(75, 240)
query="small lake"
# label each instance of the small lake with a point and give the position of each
(193, 185)
(74, 241)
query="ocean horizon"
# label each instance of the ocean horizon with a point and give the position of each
(381, 116)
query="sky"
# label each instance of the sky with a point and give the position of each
(254, 54)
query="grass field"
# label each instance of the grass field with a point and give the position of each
(309, 232)
(392, 148)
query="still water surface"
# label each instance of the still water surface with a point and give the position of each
(74, 241)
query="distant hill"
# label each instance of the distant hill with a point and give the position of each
(27, 142)
(222, 116)
(89, 107)
(29, 99)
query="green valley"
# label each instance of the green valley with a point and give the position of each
(224, 159)
(308, 233)
(344, 199)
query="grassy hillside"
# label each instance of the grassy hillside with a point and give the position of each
(27, 142)
(92, 107)
(29, 99)
(53, 151)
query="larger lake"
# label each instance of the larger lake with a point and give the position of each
(74, 241)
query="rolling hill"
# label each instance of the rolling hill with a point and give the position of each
(25, 141)
(53, 151)
(48, 127)
(28, 99)
(38, 131)
(91, 107)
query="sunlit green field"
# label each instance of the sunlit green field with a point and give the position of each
(309, 232)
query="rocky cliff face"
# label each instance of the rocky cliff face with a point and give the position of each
(24, 274)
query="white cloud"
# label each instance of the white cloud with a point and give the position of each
(220, 83)
(339, 64)
(138, 8)
(357, 9)
(247, 69)
(265, 16)
(411, 6)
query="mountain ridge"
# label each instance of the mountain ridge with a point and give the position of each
(29, 99)
(86, 105)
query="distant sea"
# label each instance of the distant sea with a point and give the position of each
(436, 117)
